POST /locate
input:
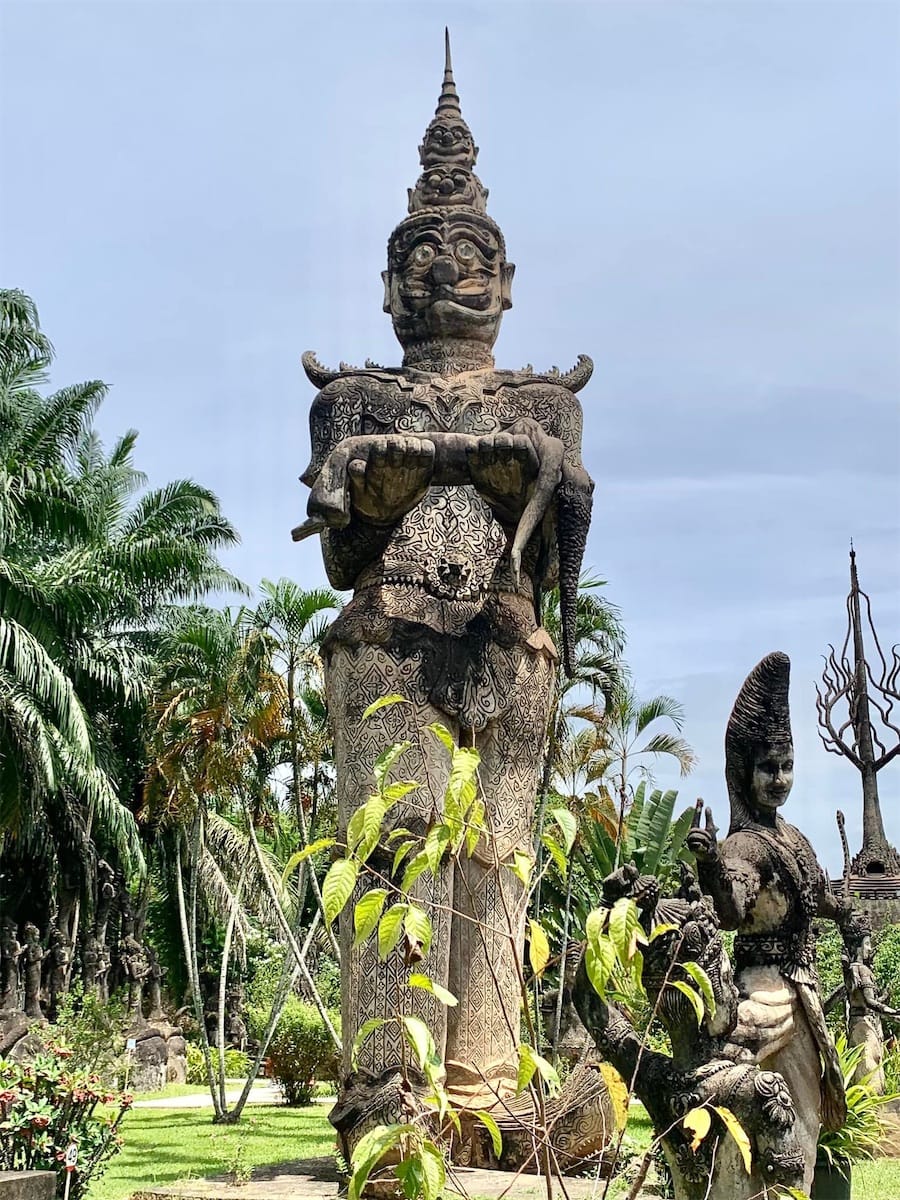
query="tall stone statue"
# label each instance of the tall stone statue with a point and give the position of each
(59, 957)
(10, 953)
(766, 883)
(864, 1005)
(449, 494)
(134, 965)
(90, 965)
(33, 955)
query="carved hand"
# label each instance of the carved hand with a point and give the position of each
(502, 467)
(392, 478)
(702, 842)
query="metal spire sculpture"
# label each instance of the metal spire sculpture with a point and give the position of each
(869, 733)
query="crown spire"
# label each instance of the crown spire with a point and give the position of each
(448, 154)
(449, 98)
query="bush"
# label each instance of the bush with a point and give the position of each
(237, 1064)
(92, 1032)
(887, 963)
(301, 1051)
(44, 1107)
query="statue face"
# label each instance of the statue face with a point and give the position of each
(446, 278)
(448, 139)
(772, 777)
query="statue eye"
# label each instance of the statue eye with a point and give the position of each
(422, 255)
(465, 251)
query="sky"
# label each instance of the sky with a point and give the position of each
(704, 197)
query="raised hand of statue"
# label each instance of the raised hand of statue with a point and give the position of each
(502, 468)
(392, 478)
(702, 842)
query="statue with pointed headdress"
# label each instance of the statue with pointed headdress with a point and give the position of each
(448, 495)
(766, 883)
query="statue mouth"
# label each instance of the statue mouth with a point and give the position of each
(479, 301)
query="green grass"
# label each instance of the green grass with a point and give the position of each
(163, 1145)
(196, 1089)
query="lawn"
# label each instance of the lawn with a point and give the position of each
(166, 1144)
(163, 1145)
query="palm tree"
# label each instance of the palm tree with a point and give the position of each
(87, 568)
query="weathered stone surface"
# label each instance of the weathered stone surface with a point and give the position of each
(27, 1185)
(767, 884)
(448, 495)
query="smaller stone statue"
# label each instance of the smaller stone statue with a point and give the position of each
(155, 975)
(134, 964)
(699, 1071)
(33, 954)
(90, 964)
(106, 893)
(864, 1003)
(236, 1028)
(58, 957)
(10, 953)
(104, 964)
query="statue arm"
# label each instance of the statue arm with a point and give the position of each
(834, 999)
(731, 877)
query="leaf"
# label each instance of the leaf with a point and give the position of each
(556, 853)
(396, 791)
(538, 947)
(419, 1037)
(704, 984)
(434, 1171)
(386, 760)
(659, 930)
(412, 1177)
(521, 866)
(624, 928)
(694, 997)
(435, 842)
(368, 1151)
(493, 1129)
(338, 885)
(373, 812)
(737, 1131)
(443, 734)
(428, 985)
(384, 702)
(367, 914)
(599, 962)
(698, 1123)
(389, 929)
(355, 827)
(529, 1062)
(417, 924)
(363, 1032)
(414, 869)
(400, 853)
(302, 855)
(568, 823)
(527, 1067)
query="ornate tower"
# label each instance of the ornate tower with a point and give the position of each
(857, 720)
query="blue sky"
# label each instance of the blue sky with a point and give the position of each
(705, 197)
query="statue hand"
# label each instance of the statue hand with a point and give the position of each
(702, 842)
(391, 478)
(502, 467)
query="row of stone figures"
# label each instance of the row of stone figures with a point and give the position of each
(34, 977)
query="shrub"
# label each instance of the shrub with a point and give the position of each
(44, 1107)
(301, 1051)
(237, 1064)
(863, 1131)
(92, 1032)
(887, 963)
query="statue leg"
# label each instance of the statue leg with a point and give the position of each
(489, 901)
(866, 1031)
(355, 678)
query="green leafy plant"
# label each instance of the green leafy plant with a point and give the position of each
(237, 1064)
(301, 1053)
(91, 1032)
(862, 1132)
(45, 1107)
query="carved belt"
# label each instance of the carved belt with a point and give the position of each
(768, 949)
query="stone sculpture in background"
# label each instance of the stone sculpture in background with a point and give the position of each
(58, 957)
(10, 953)
(448, 494)
(33, 955)
(864, 1004)
(134, 964)
(766, 883)
(701, 1070)
(155, 974)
